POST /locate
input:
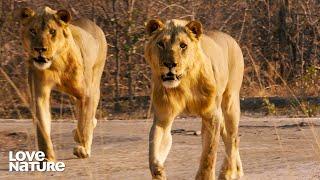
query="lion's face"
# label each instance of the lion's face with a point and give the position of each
(44, 34)
(171, 49)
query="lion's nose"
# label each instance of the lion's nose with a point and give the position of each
(170, 64)
(40, 49)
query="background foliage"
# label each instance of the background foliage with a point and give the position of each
(279, 39)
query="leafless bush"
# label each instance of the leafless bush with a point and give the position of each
(280, 41)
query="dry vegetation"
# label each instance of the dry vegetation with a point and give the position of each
(280, 41)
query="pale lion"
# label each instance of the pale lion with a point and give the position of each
(69, 56)
(199, 74)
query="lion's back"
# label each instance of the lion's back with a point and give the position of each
(90, 27)
(91, 40)
(226, 56)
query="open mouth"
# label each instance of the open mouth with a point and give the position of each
(40, 60)
(171, 80)
(170, 77)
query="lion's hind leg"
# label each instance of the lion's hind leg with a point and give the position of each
(232, 166)
(84, 131)
(87, 121)
(94, 120)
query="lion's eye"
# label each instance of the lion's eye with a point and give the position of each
(160, 44)
(33, 31)
(53, 32)
(183, 46)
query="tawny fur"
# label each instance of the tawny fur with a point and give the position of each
(75, 52)
(211, 71)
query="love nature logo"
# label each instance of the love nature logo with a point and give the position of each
(23, 161)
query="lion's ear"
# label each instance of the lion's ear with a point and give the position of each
(154, 25)
(195, 27)
(25, 14)
(64, 15)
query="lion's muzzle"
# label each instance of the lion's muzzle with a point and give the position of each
(41, 62)
(170, 80)
(171, 77)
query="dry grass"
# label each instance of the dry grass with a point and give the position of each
(281, 53)
(265, 73)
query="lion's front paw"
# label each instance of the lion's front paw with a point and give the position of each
(50, 159)
(240, 173)
(231, 176)
(80, 152)
(158, 173)
(49, 156)
(47, 159)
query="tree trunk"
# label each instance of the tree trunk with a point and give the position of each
(117, 107)
(128, 50)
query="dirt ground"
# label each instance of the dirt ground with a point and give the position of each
(271, 148)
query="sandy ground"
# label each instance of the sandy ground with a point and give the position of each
(271, 148)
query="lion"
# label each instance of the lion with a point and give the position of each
(70, 57)
(199, 74)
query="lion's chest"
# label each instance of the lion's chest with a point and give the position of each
(198, 100)
(72, 87)
(71, 80)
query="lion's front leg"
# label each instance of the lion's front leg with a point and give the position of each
(160, 141)
(86, 124)
(210, 142)
(40, 100)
